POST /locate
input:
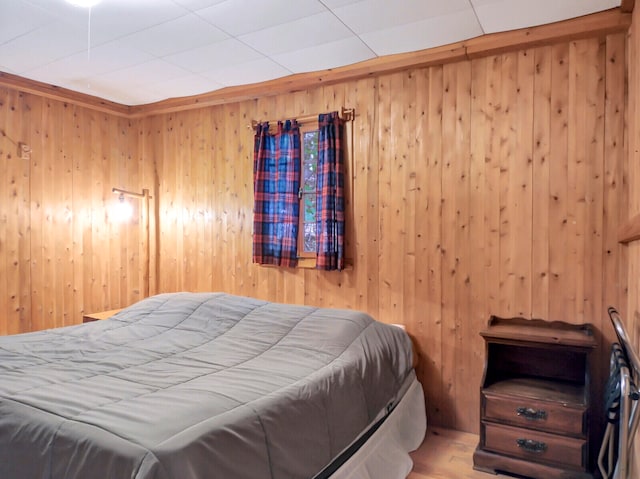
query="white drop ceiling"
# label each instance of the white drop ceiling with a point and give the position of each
(142, 51)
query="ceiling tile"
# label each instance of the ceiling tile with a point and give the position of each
(341, 52)
(238, 17)
(126, 17)
(255, 71)
(106, 58)
(226, 52)
(41, 50)
(184, 33)
(370, 15)
(502, 15)
(18, 18)
(424, 34)
(149, 72)
(298, 34)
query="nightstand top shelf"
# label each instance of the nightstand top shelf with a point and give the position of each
(539, 331)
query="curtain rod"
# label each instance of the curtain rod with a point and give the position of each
(347, 114)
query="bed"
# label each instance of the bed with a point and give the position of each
(210, 385)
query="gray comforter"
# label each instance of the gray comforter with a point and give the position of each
(195, 385)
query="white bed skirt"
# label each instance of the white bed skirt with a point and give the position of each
(386, 454)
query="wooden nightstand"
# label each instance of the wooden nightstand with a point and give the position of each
(536, 399)
(87, 318)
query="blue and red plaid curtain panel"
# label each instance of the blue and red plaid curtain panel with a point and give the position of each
(276, 181)
(330, 194)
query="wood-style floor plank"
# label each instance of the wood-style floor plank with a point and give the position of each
(446, 454)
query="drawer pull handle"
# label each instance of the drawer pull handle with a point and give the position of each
(530, 445)
(532, 414)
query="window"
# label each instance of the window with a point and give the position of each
(299, 213)
(308, 190)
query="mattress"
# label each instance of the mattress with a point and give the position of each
(194, 386)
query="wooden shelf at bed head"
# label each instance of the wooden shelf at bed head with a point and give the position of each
(414, 345)
(630, 231)
(89, 317)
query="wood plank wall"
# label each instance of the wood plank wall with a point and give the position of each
(489, 186)
(60, 254)
(632, 317)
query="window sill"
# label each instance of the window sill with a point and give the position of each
(310, 263)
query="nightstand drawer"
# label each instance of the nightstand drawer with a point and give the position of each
(530, 413)
(535, 446)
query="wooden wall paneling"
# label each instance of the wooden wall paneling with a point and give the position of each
(595, 100)
(383, 196)
(64, 314)
(393, 101)
(101, 238)
(540, 189)
(38, 176)
(235, 171)
(10, 136)
(367, 187)
(6, 146)
(22, 303)
(9, 149)
(410, 207)
(510, 189)
(492, 225)
(351, 282)
(81, 207)
(477, 281)
(138, 243)
(151, 156)
(200, 132)
(468, 354)
(450, 266)
(615, 190)
(364, 94)
(558, 177)
(427, 330)
(19, 280)
(118, 228)
(521, 183)
(183, 206)
(86, 199)
(576, 178)
(170, 235)
(188, 121)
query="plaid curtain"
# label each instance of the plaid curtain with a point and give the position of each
(276, 181)
(330, 194)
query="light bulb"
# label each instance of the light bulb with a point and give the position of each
(122, 210)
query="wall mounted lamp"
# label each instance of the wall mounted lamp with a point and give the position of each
(121, 209)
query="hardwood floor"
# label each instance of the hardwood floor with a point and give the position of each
(446, 454)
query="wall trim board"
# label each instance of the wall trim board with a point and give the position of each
(597, 24)
(64, 95)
